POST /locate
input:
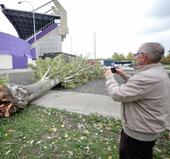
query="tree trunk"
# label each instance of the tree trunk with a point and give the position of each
(14, 97)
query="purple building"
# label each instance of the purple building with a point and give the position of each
(14, 52)
(40, 40)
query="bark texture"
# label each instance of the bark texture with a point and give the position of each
(14, 97)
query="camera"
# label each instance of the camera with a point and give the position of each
(113, 69)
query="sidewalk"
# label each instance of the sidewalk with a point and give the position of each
(82, 103)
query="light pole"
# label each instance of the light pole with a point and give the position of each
(94, 45)
(33, 16)
(70, 45)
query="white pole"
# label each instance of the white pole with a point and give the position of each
(70, 45)
(33, 16)
(94, 45)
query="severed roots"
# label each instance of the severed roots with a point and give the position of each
(6, 107)
(12, 98)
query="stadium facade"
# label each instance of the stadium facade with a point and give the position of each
(50, 30)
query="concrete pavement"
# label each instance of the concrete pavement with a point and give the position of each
(82, 103)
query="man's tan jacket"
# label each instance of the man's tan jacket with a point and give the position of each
(145, 100)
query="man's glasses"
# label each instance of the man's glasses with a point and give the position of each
(138, 53)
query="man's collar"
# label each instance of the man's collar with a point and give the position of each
(142, 67)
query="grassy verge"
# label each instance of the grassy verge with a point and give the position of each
(167, 67)
(40, 133)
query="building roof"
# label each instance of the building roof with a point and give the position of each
(23, 21)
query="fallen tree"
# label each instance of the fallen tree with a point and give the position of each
(49, 73)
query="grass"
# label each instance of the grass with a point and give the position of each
(167, 67)
(40, 133)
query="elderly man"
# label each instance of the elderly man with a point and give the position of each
(145, 100)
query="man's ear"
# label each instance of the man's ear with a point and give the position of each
(146, 59)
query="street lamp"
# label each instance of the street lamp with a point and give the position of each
(70, 45)
(95, 46)
(33, 16)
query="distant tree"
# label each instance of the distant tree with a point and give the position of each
(122, 57)
(163, 60)
(130, 56)
(166, 59)
(118, 57)
(115, 56)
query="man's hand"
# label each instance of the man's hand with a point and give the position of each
(108, 72)
(120, 71)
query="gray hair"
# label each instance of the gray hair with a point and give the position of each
(155, 51)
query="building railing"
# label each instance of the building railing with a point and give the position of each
(46, 29)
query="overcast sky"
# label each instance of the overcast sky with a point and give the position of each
(120, 25)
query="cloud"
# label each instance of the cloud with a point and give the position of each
(157, 18)
(159, 9)
(155, 25)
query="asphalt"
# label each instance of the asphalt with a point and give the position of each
(83, 103)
